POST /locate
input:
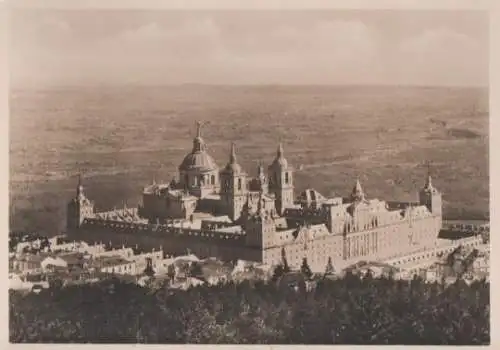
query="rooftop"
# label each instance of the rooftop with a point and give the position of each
(231, 229)
(108, 261)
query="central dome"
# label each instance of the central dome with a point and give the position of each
(199, 160)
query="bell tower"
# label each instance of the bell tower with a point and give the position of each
(431, 197)
(233, 186)
(281, 181)
(78, 208)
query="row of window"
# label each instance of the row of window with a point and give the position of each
(197, 180)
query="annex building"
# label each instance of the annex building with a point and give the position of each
(225, 213)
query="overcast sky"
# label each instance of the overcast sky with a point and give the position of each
(249, 47)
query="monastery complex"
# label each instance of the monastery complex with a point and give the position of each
(226, 213)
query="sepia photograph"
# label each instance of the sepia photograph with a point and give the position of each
(273, 176)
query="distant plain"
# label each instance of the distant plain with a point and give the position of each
(120, 138)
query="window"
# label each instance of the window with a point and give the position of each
(286, 178)
(213, 180)
(239, 184)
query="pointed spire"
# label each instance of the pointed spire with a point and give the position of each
(428, 182)
(233, 166)
(280, 151)
(261, 170)
(232, 157)
(79, 188)
(357, 191)
(280, 161)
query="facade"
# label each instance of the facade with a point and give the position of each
(225, 213)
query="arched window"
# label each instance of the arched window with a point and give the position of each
(213, 180)
(239, 184)
(286, 178)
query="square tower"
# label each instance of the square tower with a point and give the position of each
(281, 181)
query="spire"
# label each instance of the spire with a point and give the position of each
(232, 157)
(233, 166)
(428, 182)
(280, 151)
(357, 191)
(280, 161)
(261, 170)
(79, 188)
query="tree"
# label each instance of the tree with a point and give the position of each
(278, 272)
(284, 262)
(390, 312)
(329, 270)
(305, 269)
(171, 272)
(195, 270)
(148, 271)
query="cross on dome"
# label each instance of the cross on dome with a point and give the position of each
(198, 143)
(198, 129)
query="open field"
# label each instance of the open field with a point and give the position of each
(123, 137)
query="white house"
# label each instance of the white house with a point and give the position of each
(54, 262)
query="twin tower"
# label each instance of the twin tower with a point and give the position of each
(235, 184)
(200, 176)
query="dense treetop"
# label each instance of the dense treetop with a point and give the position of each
(345, 311)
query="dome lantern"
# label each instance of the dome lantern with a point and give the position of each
(198, 159)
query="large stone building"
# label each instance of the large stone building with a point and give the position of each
(225, 213)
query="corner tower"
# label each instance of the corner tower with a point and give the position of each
(260, 227)
(281, 181)
(78, 208)
(233, 186)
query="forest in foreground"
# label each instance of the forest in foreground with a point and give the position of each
(349, 310)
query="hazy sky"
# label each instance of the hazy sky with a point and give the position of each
(249, 47)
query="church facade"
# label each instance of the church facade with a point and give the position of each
(225, 213)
